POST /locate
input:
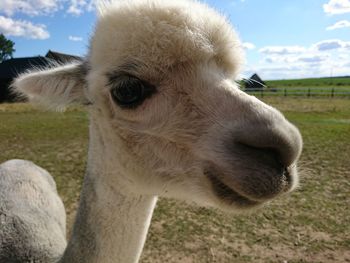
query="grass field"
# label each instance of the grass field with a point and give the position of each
(310, 225)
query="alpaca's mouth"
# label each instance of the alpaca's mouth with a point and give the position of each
(226, 193)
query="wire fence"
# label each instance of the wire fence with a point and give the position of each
(343, 92)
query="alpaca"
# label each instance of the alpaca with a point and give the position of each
(166, 120)
(32, 216)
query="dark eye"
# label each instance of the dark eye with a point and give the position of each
(130, 92)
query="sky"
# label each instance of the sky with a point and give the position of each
(282, 39)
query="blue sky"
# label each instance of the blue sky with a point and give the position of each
(282, 39)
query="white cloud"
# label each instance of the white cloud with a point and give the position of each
(281, 50)
(279, 72)
(334, 7)
(270, 59)
(286, 58)
(45, 7)
(331, 44)
(75, 38)
(300, 70)
(22, 28)
(344, 56)
(29, 7)
(339, 24)
(292, 59)
(313, 58)
(281, 69)
(328, 45)
(248, 45)
(77, 7)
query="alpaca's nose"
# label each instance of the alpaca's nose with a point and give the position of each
(272, 135)
(265, 151)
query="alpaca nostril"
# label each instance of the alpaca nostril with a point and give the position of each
(284, 143)
(272, 133)
(268, 155)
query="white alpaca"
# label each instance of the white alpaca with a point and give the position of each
(32, 216)
(165, 120)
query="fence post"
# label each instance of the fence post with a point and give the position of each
(332, 94)
(262, 93)
(285, 92)
(309, 92)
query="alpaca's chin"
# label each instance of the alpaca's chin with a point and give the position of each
(227, 194)
(240, 197)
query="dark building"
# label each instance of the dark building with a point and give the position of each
(11, 68)
(60, 57)
(254, 83)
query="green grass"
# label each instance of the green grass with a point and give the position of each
(310, 225)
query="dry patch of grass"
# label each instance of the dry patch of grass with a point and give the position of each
(310, 225)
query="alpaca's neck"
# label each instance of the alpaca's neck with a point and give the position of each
(111, 225)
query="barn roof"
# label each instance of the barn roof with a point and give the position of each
(255, 78)
(254, 83)
(61, 57)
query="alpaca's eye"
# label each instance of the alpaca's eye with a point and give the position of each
(130, 92)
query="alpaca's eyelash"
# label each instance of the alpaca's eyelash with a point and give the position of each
(128, 91)
(114, 78)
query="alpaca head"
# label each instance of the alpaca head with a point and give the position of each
(166, 117)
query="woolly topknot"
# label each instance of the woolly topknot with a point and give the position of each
(165, 34)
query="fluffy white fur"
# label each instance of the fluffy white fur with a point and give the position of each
(32, 216)
(197, 137)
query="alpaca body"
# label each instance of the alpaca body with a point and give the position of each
(32, 216)
(166, 120)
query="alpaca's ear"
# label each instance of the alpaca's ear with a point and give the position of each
(56, 87)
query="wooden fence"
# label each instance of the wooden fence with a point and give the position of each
(343, 92)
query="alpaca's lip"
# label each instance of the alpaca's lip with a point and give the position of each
(226, 193)
(232, 196)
